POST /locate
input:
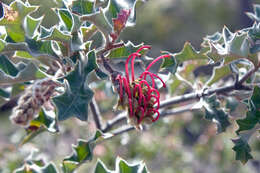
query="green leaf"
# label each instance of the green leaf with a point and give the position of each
(236, 46)
(32, 132)
(4, 93)
(29, 72)
(41, 48)
(7, 66)
(100, 21)
(249, 122)
(256, 97)
(227, 35)
(216, 37)
(14, 26)
(124, 167)
(23, 54)
(219, 72)
(189, 53)
(102, 75)
(125, 51)
(31, 167)
(242, 150)
(16, 33)
(239, 45)
(254, 33)
(31, 25)
(66, 18)
(46, 121)
(170, 64)
(76, 23)
(92, 63)
(82, 152)
(83, 7)
(88, 32)
(101, 167)
(54, 34)
(75, 100)
(253, 115)
(215, 113)
(121, 167)
(187, 73)
(12, 47)
(46, 9)
(76, 42)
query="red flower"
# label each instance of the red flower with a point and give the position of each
(140, 98)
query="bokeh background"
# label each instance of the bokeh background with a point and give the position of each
(184, 143)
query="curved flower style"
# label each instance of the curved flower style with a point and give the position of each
(140, 98)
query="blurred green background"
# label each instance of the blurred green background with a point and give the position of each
(184, 143)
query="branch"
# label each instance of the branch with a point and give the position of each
(96, 113)
(123, 129)
(117, 120)
(178, 110)
(197, 95)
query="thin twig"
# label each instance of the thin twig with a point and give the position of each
(123, 129)
(117, 120)
(96, 113)
(178, 110)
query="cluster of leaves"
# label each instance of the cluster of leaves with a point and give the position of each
(82, 152)
(58, 40)
(230, 55)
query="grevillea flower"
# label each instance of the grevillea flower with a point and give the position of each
(138, 96)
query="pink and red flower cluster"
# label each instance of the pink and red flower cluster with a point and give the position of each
(140, 97)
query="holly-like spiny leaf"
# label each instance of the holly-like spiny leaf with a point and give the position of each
(41, 48)
(46, 121)
(235, 46)
(33, 164)
(215, 113)
(74, 101)
(83, 7)
(242, 150)
(31, 25)
(101, 168)
(46, 9)
(219, 72)
(54, 34)
(125, 51)
(82, 152)
(7, 66)
(66, 18)
(34, 168)
(253, 115)
(88, 32)
(14, 75)
(121, 167)
(189, 53)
